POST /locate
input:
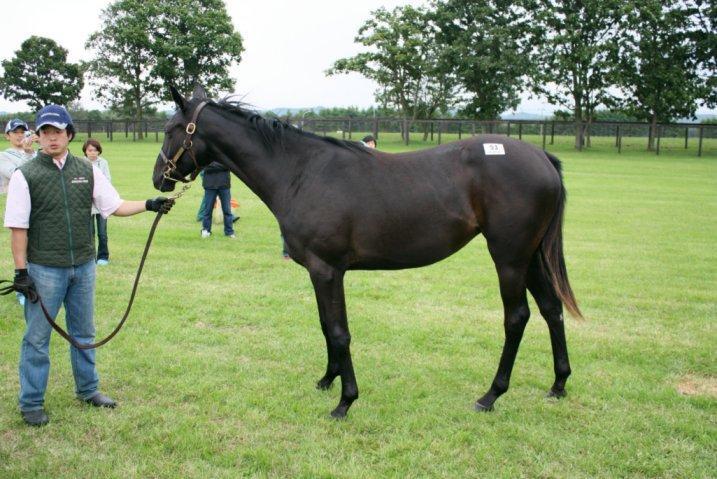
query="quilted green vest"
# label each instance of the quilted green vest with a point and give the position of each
(60, 232)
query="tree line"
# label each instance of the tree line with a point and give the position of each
(143, 45)
(654, 60)
(651, 60)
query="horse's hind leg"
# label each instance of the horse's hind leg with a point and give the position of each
(552, 311)
(512, 278)
(329, 288)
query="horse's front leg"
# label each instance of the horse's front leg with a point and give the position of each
(332, 366)
(329, 288)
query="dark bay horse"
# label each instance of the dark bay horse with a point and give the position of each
(343, 206)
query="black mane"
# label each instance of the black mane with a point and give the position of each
(273, 130)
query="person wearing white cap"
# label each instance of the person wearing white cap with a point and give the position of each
(48, 212)
(20, 137)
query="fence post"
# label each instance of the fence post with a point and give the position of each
(350, 127)
(617, 134)
(460, 130)
(375, 128)
(89, 129)
(431, 131)
(687, 132)
(520, 131)
(508, 128)
(126, 129)
(699, 148)
(619, 140)
(134, 131)
(543, 130)
(440, 129)
(112, 130)
(552, 132)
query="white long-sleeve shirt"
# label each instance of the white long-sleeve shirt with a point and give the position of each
(104, 167)
(17, 210)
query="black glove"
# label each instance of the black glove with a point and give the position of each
(159, 203)
(25, 285)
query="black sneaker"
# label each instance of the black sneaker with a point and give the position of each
(35, 418)
(100, 400)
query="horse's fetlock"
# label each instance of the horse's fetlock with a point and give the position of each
(500, 387)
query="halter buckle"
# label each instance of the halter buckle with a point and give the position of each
(191, 128)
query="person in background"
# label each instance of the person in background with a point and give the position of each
(203, 204)
(217, 183)
(92, 150)
(369, 141)
(49, 200)
(20, 137)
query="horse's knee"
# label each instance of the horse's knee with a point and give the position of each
(516, 319)
(339, 339)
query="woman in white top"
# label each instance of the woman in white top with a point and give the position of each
(92, 150)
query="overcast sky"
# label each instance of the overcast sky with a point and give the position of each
(288, 44)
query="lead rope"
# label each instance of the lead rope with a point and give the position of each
(72, 340)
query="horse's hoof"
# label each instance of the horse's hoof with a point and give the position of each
(556, 394)
(324, 385)
(339, 413)
(481, 408)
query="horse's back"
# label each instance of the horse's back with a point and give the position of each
(380, 210)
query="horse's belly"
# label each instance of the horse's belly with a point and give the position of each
(409, 245)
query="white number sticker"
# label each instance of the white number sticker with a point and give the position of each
(494, 148)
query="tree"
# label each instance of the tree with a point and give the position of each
(403, 61)
(657, 62)
(703, 32)
(484, 44)
(196, 45)
(573, 41)
(40, 74)
(122, 70)
(146, 44)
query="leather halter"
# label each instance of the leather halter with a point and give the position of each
(171, 165)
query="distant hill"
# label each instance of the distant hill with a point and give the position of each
(522, 115)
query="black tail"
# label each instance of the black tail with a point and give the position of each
(552, 260)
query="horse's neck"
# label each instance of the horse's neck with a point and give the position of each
(264, 169)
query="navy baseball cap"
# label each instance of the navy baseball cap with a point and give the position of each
(54, 115)
(14, 124)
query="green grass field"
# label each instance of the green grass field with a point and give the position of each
(215, 370)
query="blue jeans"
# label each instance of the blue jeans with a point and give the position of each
(75, 288)
(225, 197)
(103, 251)
(200, 213)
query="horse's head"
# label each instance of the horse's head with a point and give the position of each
(182, 152)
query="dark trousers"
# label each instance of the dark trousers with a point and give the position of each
(103, 251)
(225, 197)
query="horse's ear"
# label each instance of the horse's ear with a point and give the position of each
(177, 97)
(199, 93)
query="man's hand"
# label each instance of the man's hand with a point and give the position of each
(159, 204)
(24, 284)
